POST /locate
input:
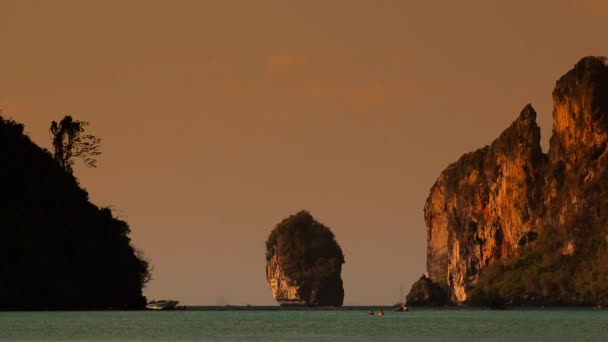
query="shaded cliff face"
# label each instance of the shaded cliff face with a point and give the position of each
(576, 189)
(426, 292)
(502, 204)
(304, 263)
(59, 251)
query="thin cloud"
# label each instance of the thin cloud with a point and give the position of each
(372, 94)
(287, 60)
(313, 93)
(324, 80)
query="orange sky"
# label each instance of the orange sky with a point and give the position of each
(220, 118)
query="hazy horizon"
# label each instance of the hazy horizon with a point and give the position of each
(219, 119)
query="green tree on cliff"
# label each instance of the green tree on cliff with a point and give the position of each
(70, 141)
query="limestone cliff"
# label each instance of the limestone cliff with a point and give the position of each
(493, 215)
(304, 263)
(284, 290)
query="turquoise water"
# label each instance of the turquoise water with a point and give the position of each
(331, 325)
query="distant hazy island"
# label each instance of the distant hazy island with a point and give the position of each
(509, 224)
(59, 251)
(304, 263)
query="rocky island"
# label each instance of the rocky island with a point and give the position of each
(304, 263)
(510, 224)
(59, 251)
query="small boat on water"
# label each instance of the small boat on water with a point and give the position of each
(162, 305)
(400, 306)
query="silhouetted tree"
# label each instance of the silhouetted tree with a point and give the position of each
(70, 141)
(57, 249)
(145, 269)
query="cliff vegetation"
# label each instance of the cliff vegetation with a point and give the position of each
(304, 263)
(58, 250)
(510, 224)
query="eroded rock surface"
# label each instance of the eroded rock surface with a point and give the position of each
(304, 263)
(506, 198)
(284, 289)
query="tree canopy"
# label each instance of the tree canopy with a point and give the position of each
(308, 249)
(70, 141)
(57, 249)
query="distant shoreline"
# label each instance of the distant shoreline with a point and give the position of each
(384, 307)
(387, 308)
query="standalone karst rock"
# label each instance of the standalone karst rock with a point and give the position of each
(59, 251)
(426, 292)
(304, 263)
(510, 224)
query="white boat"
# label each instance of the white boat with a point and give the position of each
(162, 305)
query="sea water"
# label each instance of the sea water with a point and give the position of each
(309, 325)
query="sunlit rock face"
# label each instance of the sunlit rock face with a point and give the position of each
(483, 204)
(304, 263)
(284, 289)
(494, 201)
